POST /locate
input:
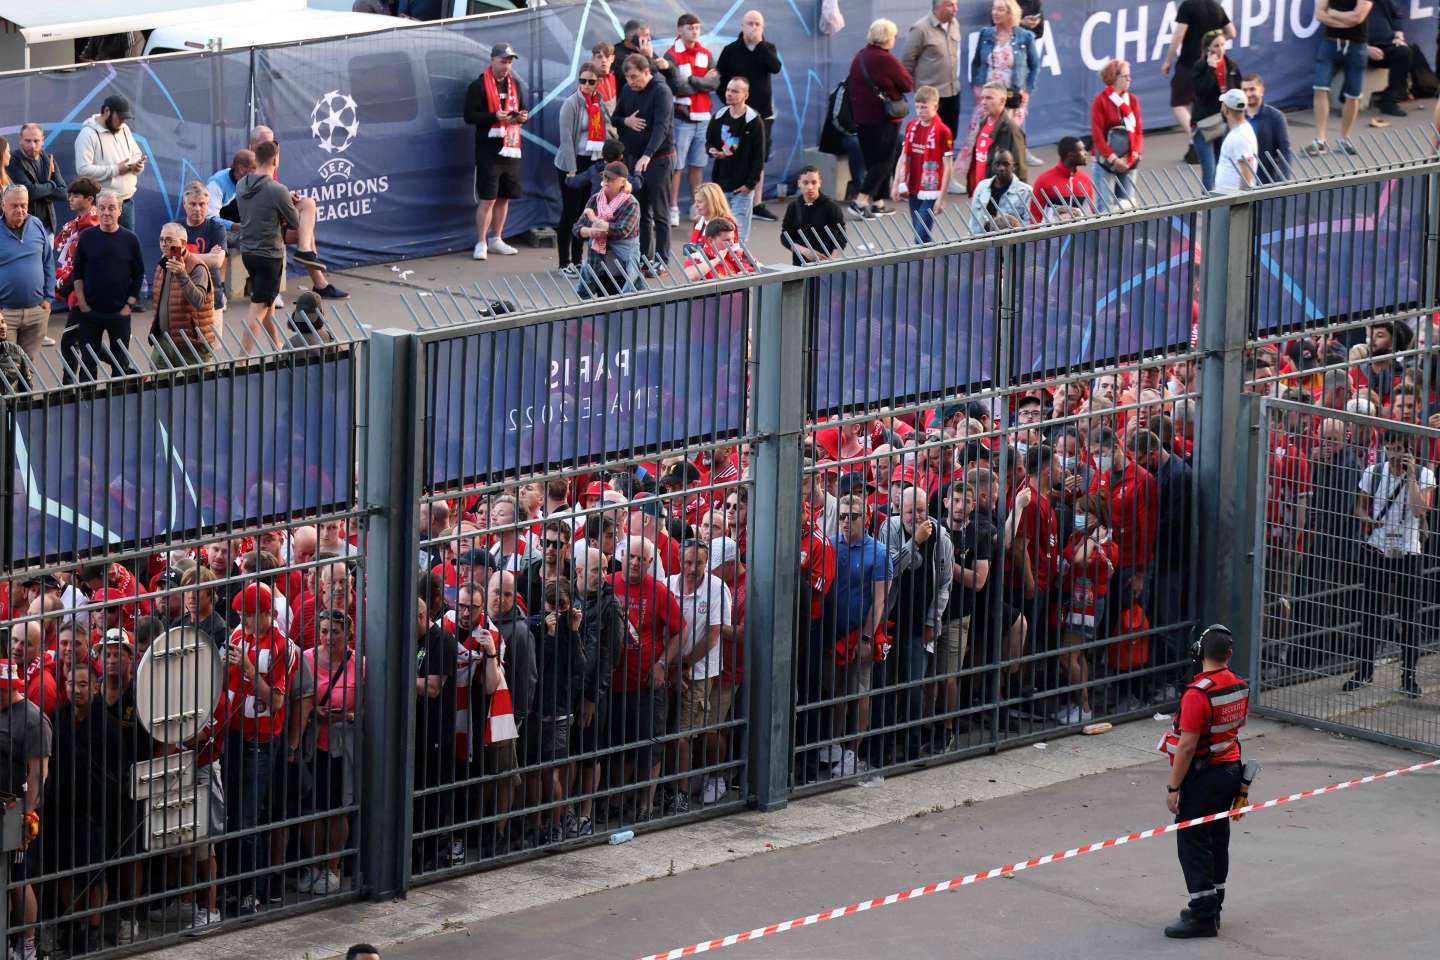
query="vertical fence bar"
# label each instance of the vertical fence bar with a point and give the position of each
(393, 453)
(777, 399)
(1225, 436)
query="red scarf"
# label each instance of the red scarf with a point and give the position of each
(924, 161)
(606, 87)
(692, 62)
(509, 132)
(981, 156)
(1220, 74)
(595, 126)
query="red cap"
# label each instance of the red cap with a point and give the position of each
(109, 593)
(595, 489)
(254, 598)
(11, 676)
(903, 474)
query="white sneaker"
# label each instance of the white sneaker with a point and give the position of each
(1068, 715)
(202, 918)
(831, 753)
(325, 882)
(27, 951)
(502, 248)
(126, 931)
(715, 789)
(846, 766)
(306, 883)
(674, 216)
(457, 852)
(480, 252)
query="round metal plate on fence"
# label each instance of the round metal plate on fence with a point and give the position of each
(177, 684)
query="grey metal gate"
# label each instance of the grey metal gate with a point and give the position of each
(1345, 612)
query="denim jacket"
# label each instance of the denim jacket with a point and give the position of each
(1027, 59)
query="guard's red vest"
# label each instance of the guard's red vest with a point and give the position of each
(1229, 698)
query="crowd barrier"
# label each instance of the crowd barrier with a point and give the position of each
(582, 491)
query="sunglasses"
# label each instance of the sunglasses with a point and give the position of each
(850, 516)
(588, 83)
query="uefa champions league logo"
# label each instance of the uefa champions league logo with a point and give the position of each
(334, 123)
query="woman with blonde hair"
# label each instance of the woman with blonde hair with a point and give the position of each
(1005, 53)
(878, 84)
(4, 163)
(711, 204)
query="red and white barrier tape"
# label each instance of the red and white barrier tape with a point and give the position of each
(845, 911)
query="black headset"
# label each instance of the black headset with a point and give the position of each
(1197, 648)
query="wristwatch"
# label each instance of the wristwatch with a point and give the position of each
(1170, 789)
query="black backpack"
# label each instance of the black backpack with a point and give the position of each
(839, 123)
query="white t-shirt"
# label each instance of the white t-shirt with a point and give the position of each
(1239, 144)
(707, 607)
(1397, 532)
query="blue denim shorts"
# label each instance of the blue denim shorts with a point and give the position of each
(690, 143)
(1332, 55)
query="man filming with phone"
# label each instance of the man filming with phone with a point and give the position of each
(1396, 495)
(184, 328)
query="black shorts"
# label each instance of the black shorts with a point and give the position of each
(585, 740)
(265, 273)
(636, 719)
(496, 177)
(554, 740)
(1182, 86)
(328, 790)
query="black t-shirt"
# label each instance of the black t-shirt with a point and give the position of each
(975, 542)
(1199, 17)
(1355, 34)
(435, 716)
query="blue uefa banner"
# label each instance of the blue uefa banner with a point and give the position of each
(1103, 295)
(886, 334)
(1344, 251)
(580, 390)
(163, 460)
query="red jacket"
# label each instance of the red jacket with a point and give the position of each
(887, 74)
(1134, 503)
(1104, 115)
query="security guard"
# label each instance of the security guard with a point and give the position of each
(1205, 775)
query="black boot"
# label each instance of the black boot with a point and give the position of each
(1190, 926)
(1186, 916)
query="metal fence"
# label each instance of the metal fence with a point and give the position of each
(617, 563)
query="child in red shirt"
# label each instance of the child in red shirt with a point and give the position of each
(926, 165)
(720, 255)
(1088, 561)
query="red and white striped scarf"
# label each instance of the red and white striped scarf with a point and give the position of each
(509, 132)
(500, 718)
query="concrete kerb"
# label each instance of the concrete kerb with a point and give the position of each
(455, 904)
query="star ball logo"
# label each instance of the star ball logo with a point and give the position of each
(335, 125)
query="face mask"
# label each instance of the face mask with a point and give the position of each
(1080, 521)
(1175, 386)
(1021, 447)
(1103, 462)
(1069, 463)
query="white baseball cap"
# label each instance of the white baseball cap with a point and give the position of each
(723, 550)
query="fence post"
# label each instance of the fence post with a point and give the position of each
(1227, 426)
(778, 347)
(392, 437)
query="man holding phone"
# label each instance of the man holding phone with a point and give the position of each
(495, 107)
(106, 152)
(184, 329)
(1396, 495)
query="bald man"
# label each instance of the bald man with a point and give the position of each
(519, 658)
(753, 57)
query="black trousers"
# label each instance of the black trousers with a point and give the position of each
(572, 203)
(654, 199)
(878, 144)
(1398, 580)
(83, 344)
(949, 111)
(1397, 61)
(1205, 850)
